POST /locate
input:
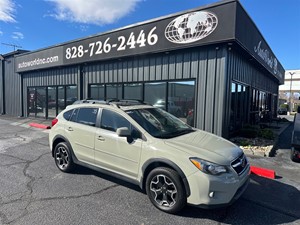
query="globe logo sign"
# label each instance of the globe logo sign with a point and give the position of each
(191, 27)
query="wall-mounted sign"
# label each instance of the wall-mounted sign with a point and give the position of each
(190, 29)
(218, 23)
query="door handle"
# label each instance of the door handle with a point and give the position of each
(70, 129)
(100, 138)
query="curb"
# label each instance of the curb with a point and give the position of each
(37, 125)
(263, 172)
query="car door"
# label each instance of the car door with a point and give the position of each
(80, 131)
(114, 153)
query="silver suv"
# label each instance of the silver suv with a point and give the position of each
(175, 163)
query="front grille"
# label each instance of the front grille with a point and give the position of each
(240, 164)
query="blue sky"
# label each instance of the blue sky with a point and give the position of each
(35, 24)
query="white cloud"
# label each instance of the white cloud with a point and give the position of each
(7, 9)
(17, 36)
(98, 12)
(1, 33)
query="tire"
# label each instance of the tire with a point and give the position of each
(165, 190)
(294, 155)
(63, 158)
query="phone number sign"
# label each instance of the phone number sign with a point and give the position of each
(137, 40)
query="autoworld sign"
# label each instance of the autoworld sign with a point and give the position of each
(216, 24)
(181, 31)
(189, 29)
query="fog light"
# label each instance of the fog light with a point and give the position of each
(211, 194)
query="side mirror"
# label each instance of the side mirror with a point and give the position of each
(123, 132)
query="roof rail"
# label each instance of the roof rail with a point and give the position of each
(126, 102)
(115, 102)
(91, 101)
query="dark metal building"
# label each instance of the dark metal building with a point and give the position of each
(210, 66)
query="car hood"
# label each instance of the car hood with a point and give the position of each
(206, 146)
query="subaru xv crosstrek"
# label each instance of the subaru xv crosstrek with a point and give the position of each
(174, 163)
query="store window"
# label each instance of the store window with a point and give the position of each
(52, 99)
(71, 95)
(239, 109)
(41, 102)
(181, 100)
(37, 102)
(155, 94)
(133, 91)
(31, 101)
(61, 98)
(47, 102)
(114, 91)
(97, 91)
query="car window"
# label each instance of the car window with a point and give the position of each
(159, 123)
(74, 115)
(112, 121)
(87, 116)
(67, 114)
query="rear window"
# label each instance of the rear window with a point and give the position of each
(87, 116)
(67, 115)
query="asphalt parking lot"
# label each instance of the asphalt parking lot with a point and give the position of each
(34, 191)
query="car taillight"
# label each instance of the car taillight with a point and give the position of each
(54, 121)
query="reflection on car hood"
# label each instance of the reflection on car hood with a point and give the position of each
(206, 146)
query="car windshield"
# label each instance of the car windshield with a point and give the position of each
(159, 123)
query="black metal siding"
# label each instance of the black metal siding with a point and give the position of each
(1, 87)
(12, 88)
(245, 71)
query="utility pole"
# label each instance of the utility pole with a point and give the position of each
(12, 45)
(291, 104)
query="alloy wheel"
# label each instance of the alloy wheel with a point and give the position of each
(62, 158)
(163, 190)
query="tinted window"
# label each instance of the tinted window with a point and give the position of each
(112, 121)
(133, 91)
(87, 116)
(68, 114)
(74, 115)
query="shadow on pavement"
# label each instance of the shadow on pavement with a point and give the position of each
(264, 202)
(284, 139)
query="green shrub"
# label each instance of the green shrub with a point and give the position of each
(284, 106)
(266, 133)
(244, 143)
(248, 132)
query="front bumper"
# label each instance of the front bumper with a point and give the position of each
(208, 191)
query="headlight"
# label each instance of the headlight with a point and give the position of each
(208, 167)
